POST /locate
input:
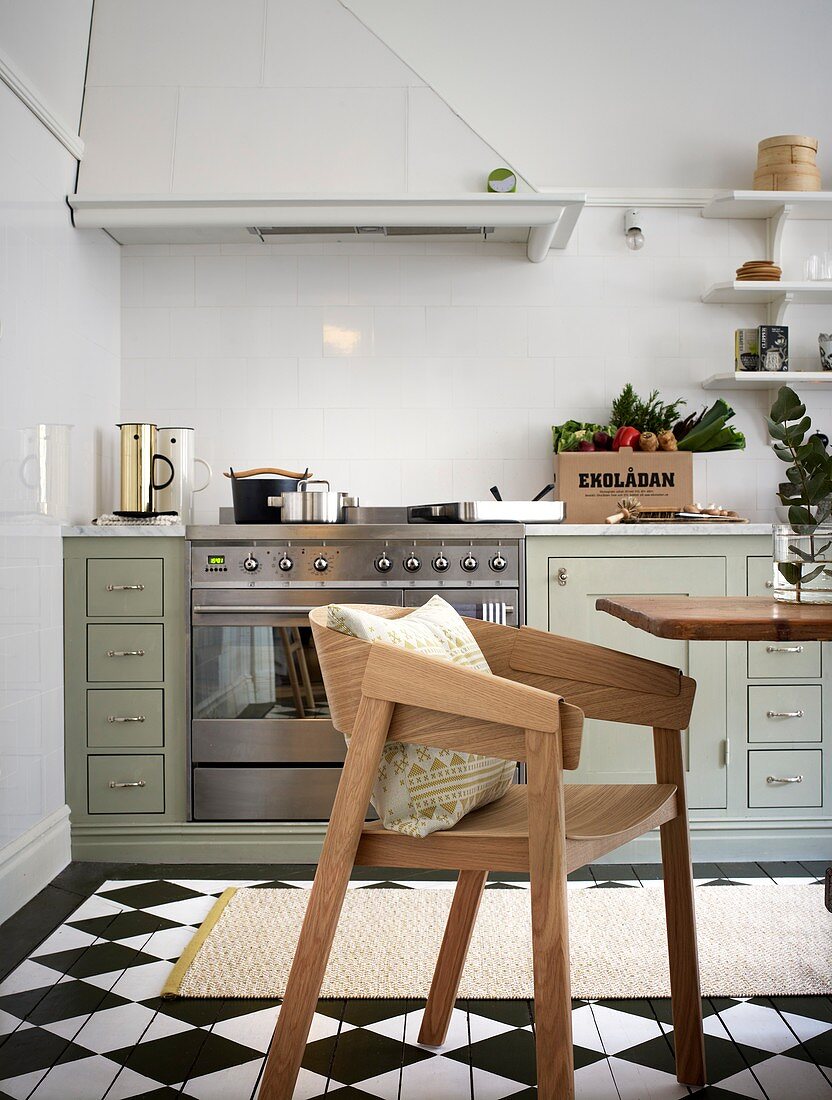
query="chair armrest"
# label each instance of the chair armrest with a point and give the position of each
(402, 676)
(551, 655)
(604, 683)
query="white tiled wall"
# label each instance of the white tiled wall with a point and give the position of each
(409, 372)
(263, 96)
(59, 350)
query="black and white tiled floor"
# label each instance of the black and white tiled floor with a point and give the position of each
(80, 1018)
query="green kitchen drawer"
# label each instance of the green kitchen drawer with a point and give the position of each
(124, 586)
(784, 778)
(125, 652)
(125, 718)
(772, 660)
(126, 784)
(784, 712)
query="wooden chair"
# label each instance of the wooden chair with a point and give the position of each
(378, 692)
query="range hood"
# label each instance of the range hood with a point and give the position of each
(541, 221)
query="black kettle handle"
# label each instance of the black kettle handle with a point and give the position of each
(165, 484)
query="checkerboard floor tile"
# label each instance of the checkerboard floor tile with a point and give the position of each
(81, 1016)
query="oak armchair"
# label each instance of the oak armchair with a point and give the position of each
(530, 709)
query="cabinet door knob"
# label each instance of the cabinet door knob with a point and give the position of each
(138, 783)
(563, 577)
(772, 779)
(125, 588)
(130, 718)
(784, 713)
(784, 649)
(125, 653)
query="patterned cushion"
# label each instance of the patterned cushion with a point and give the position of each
(421, 789)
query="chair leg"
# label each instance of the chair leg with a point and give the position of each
(325, 900)
(681, 918)
(452, 953)
(550, 918)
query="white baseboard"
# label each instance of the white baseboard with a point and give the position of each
(31, 861)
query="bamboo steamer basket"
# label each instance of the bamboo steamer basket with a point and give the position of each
(787, 163)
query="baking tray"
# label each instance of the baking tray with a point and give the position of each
(488, 511)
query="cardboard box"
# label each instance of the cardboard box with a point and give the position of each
(591, 483)
(774, 347)
(746, 349)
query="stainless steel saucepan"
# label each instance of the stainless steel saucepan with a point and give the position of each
(310, 505)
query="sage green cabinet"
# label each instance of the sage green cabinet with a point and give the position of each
(125, 717)
(126, 690)
(125, 586)
(125, 651)
(759, 788)
(126, 784)
(616, 753)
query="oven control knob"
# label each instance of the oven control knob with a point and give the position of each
(384, 564)
(498, 562)
(441, 563)
(251, 564)
(469, 562)
(285, 564)
(412, 563)
(320, 564)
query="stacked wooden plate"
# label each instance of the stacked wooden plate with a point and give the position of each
(759, 271)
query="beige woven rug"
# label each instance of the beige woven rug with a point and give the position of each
(753, 941)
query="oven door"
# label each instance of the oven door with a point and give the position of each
(263, 747)
(494, 605)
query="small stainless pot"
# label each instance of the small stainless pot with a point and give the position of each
(312, 505)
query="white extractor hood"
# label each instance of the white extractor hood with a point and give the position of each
(542, 221)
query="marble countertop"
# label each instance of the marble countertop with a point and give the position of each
(625, 530)
(605, 530)
(138, 530)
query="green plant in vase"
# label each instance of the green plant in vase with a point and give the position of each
(803, 548)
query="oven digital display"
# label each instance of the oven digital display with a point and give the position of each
(216, 559)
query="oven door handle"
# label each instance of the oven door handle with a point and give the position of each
(237, 609)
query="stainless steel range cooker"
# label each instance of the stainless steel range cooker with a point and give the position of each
(263, 747)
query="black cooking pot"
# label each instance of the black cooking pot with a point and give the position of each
(251, 495)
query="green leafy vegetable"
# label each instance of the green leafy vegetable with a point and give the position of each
(652, 415)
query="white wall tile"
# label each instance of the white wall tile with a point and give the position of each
(323, 280)
(220, 281)
(128, 140)
(443, 153)
(328, 47)
(399, 330)
(285, 140)
(347, 331)
(451, 330)
(448, 365)
(59, 364)
(146, 43)
(374, 280)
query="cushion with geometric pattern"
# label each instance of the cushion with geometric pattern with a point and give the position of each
(421, 789)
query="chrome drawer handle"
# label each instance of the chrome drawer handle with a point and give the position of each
(125, 588)
(137, 783)
(125, 653)
(784, 649)
(784, 713)
(772, 779)
(563, 577)
(113, 718)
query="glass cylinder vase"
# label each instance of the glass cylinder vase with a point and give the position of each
(803, 564)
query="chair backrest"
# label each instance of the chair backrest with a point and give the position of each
(343, 660)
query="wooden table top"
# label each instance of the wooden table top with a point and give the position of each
(723, 618)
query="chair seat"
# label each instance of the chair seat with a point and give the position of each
(599, 818)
